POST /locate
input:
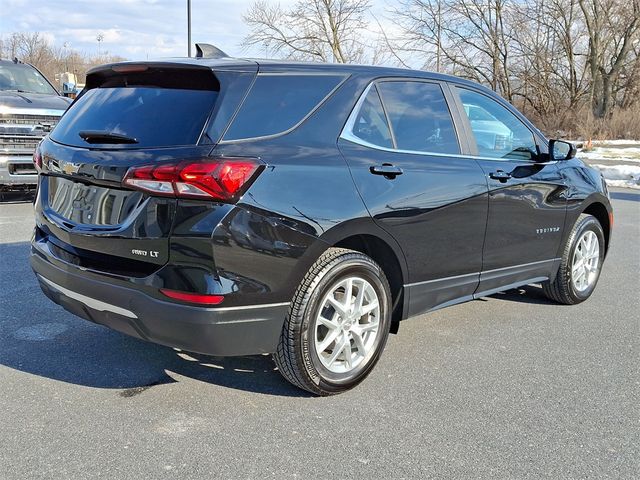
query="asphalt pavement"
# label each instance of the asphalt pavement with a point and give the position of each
(510, 386)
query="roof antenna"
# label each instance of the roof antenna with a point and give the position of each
(16, 61)
(205, 50)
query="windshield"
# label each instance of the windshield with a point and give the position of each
(23, 78)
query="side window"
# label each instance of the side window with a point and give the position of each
(497, 131)
(370, 123)
(277, 103)
(419, 116)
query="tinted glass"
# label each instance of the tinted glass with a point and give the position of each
(419, 116)
(23, 78)
(155, 117)
(370, 123)
(277, 103)
(497, 131)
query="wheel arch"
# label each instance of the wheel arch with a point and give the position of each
(604, 217)
(382, 253)
(365, 236)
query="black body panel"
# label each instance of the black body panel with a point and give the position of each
(525, 223)
(436, 210)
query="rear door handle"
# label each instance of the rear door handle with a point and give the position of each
(386, 169)
(500, 175)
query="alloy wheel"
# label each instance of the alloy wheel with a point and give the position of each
(347, 324)
(586, 261)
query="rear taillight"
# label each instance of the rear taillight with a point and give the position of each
(220, 179)
(37, 158)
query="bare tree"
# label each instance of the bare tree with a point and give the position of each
(630, 80)
(550, 57)
(549, 70)
(612, 26)
(35, 49)
(471, 36)
(324, 30)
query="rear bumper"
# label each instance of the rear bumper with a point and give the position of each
(221, 331)
(11, 168)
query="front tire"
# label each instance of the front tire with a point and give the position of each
(580, 265)
(338, 324)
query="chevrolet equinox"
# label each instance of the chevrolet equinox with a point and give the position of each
(233, 207)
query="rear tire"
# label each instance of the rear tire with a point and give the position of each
(337, 325)
(580, 265)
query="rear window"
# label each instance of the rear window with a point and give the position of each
(154, 117)
(278, 102)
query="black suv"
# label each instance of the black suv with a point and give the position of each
(233, 207)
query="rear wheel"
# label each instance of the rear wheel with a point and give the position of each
(580, 265)
(337, 325)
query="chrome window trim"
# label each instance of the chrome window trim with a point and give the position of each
(353, 139)
(347, 134)
(347, 130)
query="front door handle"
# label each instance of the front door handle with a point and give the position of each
(500, 175)
(387, 170)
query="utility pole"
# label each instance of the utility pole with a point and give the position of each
(188, 28)
(439, 34)
(65, 47)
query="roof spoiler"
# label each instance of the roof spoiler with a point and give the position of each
(205, 50)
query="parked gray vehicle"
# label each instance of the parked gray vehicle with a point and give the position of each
(29, 108)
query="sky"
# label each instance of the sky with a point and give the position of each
(134, 29)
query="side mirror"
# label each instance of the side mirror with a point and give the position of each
(561, 150)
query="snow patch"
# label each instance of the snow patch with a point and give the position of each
(616, 142)
(620, 175)
(626, 154)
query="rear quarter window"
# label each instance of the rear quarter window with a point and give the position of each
(278, 102)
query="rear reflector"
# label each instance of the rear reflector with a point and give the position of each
(193, 297)
(223, 179)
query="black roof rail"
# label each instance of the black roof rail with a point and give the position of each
(205, 50)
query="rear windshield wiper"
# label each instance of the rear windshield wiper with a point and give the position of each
(101, 136)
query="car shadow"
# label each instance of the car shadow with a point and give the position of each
(528, 294)
(40, 338)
